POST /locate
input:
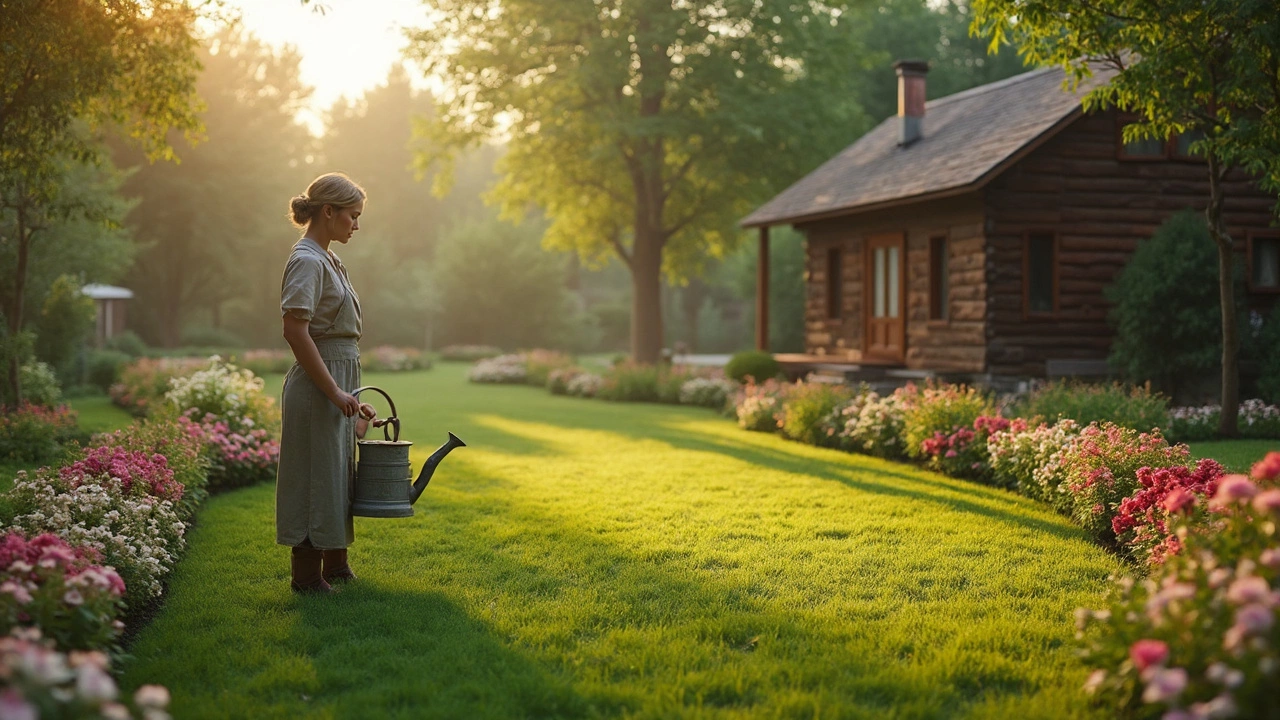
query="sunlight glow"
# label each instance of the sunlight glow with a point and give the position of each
(345, 50)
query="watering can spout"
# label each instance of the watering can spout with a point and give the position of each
(429, 467)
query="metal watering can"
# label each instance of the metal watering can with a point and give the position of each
(384, 485)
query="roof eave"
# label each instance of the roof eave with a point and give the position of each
(1027, 148)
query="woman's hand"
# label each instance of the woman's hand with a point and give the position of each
(346, 402)
(367, 411)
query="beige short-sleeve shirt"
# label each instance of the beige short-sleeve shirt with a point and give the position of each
(314, 289)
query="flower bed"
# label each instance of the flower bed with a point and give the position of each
(1255, 420)
(99, 533)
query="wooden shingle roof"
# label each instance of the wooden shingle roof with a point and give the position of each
(969, 138)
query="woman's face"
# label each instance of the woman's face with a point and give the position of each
(343, 222)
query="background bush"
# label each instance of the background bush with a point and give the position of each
(102, 367)
(1165, 307)
(756, 364)
(65, 321)
(40, 384)
(630, 382)
(128, 343)
(1269, 358)
(1132, 407)
(807, 405)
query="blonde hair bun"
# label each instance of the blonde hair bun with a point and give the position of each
(333, 188)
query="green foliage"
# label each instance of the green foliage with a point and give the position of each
(40, 384)
(103, 368)
(469, 353)
(641, 120)
(1184, 65)
(1165, 308)
(211, 229)
(128, 343)
(941, 409)
(539, 364)
(65, 321)
(1135, 407)
(498, 287)
(630, 382)
(806, 405)
(756, 364)
(35, 434)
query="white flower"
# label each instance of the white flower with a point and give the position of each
(73, 598)
(94, 685)
(152, 696)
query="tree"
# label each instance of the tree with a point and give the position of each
(642, 128)
(211, 229)
(1206, 66)
(497, 287)
(127, 63)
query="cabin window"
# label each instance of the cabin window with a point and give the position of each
(1176, 148)
(1182, 144)
(939, 278)
(1264, 262)
(835, 282)
(1040, 276)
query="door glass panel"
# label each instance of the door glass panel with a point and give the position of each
(878, 287)
(893, 282)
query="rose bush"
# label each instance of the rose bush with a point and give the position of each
(1199, 637)
(46, 583)
(1143, 523)
(144, 382)
(1100, 469)
(137, 533)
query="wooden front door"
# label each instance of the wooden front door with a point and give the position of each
(885, 307)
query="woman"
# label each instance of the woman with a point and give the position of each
(322, 325)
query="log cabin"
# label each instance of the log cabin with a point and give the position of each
(972, 236)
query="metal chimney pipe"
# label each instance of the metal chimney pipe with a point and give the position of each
(911, 95)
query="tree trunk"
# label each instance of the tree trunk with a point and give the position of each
(1227, 425)
(646, 295)
(19, 294)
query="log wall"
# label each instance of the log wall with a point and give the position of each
(1099, 207)
(956, 344)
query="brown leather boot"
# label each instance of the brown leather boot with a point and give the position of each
(306, 572)
(336, 568)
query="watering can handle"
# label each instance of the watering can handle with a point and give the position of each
(392, 421)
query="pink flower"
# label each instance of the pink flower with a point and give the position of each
(14, 707)
(1268, 468)
(73, 598)
(1177, 500)
(1270, 558)
(1267, 501)
(1250, 589)
(1146, 653)
(1234, 488)
(1164, 684)
(1254, 619)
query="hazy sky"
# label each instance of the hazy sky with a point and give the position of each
(344, 51)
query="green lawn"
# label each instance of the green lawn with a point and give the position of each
(1236, 455)
(587, 559)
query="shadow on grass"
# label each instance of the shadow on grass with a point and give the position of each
(384, 653)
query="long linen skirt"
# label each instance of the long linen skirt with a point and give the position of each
(317, 451)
